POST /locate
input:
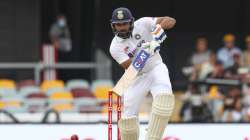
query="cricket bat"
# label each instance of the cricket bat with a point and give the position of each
(131, 72)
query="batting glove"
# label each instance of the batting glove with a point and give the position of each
(151, 47)
(158, 34)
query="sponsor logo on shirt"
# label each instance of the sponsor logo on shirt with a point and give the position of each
(140, 43)
(137, 36)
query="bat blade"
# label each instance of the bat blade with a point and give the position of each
(130, 74)
(123, 84)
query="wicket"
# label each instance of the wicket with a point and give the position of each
(110, 112)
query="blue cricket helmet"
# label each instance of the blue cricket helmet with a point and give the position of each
(122, 15)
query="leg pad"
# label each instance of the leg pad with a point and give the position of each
(129, 128)
(162, 109)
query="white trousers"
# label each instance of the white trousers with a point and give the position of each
(155, 81)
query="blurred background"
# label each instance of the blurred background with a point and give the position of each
(55, 65)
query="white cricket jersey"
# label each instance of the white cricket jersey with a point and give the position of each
(123, 49)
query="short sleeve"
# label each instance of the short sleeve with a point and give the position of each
(148, 22)
(118, 55)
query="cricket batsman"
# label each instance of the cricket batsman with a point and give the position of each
(130, 36)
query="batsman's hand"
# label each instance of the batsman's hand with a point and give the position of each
(158, 34)
(151, 47)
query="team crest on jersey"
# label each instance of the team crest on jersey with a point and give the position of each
(120, 15)
(137, 36)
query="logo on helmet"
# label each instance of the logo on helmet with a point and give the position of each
(120, 15)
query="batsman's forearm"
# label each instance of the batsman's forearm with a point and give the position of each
(166, 22)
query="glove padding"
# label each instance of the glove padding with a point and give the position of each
(158, 34)
(151, 47)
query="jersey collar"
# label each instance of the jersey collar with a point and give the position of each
(119, 39)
